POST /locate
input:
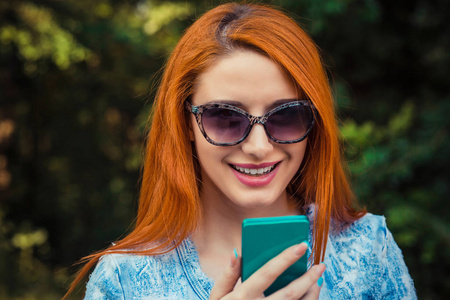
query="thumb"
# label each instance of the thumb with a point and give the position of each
(229, 278)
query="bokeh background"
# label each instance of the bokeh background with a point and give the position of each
(77, 79)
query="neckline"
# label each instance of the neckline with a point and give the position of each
(199, 281)
(190, 262)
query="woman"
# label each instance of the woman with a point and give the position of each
(210, 163)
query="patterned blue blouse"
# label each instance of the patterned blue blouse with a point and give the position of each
(363, 262)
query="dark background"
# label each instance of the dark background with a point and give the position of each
(77, 78)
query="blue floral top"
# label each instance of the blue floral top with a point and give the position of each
(363, 262)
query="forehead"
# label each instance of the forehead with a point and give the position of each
(246, 77)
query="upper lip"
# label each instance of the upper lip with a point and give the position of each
(253, 166)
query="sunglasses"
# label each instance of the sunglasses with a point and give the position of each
(228, 125)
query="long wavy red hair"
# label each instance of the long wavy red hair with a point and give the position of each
(169, 203)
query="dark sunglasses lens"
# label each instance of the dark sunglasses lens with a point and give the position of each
(290, 123)
(224, 125)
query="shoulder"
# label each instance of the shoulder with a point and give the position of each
(138, 262)
(368, 230)
(104, 282)
(364, 260)
(118, 263)
(360, 245)
(120, 275)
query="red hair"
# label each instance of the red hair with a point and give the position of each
(169, 203)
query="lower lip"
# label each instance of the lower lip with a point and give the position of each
(255, 181)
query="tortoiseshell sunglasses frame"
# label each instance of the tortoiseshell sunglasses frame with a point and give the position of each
(198, 111)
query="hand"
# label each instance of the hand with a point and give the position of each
(304, 287)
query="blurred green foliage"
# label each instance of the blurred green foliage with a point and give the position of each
(76, 82)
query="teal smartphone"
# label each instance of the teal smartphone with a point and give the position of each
(265, 238)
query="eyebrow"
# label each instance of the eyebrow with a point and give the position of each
(229, 102)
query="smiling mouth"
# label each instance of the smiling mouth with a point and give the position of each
(255, 172)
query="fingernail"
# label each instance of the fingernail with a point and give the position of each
(320, 282)
(235, 253)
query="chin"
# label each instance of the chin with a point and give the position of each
(256, 202)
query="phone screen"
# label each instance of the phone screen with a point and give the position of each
(265, 238)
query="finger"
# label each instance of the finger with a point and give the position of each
(314, 291)
(229, 278)
(266, 275)
(305, 286)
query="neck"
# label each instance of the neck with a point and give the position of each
(219, 231)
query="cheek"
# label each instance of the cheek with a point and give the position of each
(206, 152)
(211, 158)
(298, 153)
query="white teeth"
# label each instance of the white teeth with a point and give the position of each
(260, 171)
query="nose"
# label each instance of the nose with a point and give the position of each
(257, 143)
